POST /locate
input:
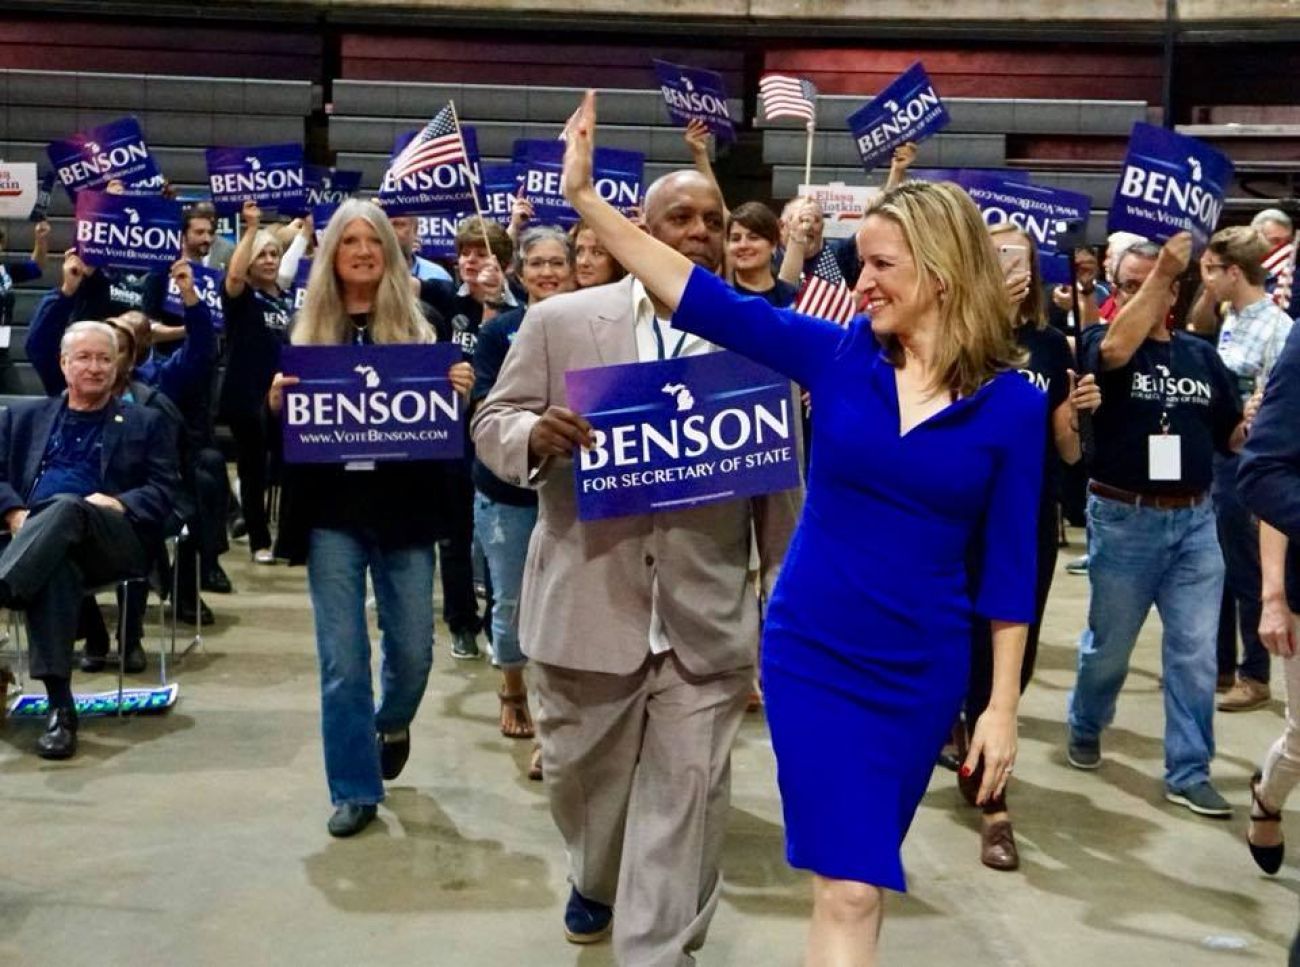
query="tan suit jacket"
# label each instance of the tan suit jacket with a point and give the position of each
(586, 597)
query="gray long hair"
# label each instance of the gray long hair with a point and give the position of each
(396, 317)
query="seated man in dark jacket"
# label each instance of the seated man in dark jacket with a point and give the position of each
(86, 484)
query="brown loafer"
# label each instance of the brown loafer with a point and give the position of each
(998, 846)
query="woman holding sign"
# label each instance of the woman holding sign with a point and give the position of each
(923, 449)
(346, 519)
(257, 323)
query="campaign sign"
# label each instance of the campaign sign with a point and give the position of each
(909, 109)
(362, 403)
(18, 188)
(208, 285)
(115, 151)
(329, 186)
(842, 206)
(682, 432)
(44, 189)
(1170, 183)
(271, 175)
(1043, 214)
(448, 187)
(128, 231)
(437, 233)
(299, 290)
(617, 175)
(142, 701)
(693, 93)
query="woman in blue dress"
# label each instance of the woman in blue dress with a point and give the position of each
(928, 440)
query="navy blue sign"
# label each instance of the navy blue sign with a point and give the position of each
(693, 93)
(207, 285)
(443, 187)
(909, 109)
(299, 290)
(271, 175)
(1170, 183)
(115, 151)
(617, 175)
(955, 175)
(1041, 213)
(362, 403)
(682, 432)
(127, 231)
(437, 233)
(44, 188)
(329, 186)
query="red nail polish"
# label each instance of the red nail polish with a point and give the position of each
(965, 772)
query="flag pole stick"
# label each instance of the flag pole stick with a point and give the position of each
(807, 160)
(473, 191)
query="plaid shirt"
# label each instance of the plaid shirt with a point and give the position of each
(1250, 340)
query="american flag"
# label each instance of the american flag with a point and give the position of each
(438, 144)
(787, 97)
(1280, 265)
(831, 301)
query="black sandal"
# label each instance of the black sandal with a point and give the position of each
(1267, 858)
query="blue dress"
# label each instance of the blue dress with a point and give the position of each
(866, 645)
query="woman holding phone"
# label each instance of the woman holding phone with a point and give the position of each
(866, 644)
(1047, 368)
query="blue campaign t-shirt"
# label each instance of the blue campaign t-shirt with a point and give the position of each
(71, 464)
(1183, 377)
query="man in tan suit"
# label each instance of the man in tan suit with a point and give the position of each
(642, 630)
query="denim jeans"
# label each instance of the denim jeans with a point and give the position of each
(1140, 556)
(403, 580)
(503, 531)
(1239, 538)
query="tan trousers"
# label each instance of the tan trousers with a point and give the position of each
(638, 771)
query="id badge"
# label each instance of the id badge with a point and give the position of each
(1165, 457)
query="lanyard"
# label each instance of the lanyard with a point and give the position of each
(659, 341)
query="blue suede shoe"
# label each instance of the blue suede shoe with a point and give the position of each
(586, 921)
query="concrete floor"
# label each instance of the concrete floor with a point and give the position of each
(198, 837)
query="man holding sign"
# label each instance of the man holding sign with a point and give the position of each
(641, 629)
(1168, 404)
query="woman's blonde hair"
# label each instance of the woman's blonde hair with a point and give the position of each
(395, 314)
(952, 250)
(1033, 307)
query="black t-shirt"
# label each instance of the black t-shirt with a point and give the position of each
(111, 292)
(1047, 369)
(461, 315)
(1183, 377)
(257, 327)
(781, 295)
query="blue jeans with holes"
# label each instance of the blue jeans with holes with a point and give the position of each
(337, 561)
(503, 531)
(1140, 556)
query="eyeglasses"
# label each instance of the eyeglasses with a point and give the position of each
(539, 264)
(1215, 266)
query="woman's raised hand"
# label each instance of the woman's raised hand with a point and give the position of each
(580, 141)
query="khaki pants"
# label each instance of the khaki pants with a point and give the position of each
(638, 771)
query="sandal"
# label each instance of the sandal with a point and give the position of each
(516, 723)
(1267, 858)
(535, 764)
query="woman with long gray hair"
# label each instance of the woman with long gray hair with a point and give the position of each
(345, 520)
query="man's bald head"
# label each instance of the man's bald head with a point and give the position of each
(684, 209)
